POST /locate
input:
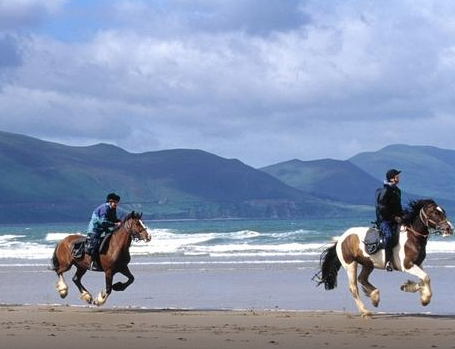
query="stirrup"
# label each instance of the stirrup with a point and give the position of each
(388, 266)
(94, 266)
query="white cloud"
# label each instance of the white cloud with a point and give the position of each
(345, 77)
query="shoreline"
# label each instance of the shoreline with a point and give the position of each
(75, 327)
(280, 287)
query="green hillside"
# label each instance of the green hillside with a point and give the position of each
(427, 171)
(336, 180)
(45, 181)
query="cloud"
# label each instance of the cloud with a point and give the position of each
(9, 48)
(178, 17)
(18, 14)
(319, 79)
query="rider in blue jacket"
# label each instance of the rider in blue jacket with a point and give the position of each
(104, 219)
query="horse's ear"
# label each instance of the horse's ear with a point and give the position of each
(133, 214)
(140, 215)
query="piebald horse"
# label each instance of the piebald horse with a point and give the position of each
(114, 259)
(349, 251)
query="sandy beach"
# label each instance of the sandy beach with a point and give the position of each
(77, 327)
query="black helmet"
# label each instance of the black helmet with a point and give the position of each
(391, 173)
(112, 197)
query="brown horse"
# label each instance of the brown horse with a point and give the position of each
(409, 253)
(113, 259)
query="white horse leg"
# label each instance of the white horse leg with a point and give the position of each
(100, 299)
(424, 286)
(102, 296)
(61, 286)
(86, 296)
(351, 270)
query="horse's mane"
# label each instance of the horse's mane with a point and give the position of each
(413, 210)
(132, 215)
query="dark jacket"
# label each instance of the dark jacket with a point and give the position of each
(388, 203)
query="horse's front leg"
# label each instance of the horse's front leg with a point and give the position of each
(121, 286)
(102, 296)
(424, 286)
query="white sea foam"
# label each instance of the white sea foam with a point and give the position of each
(441, 246)
(59, 236)
(167, 242)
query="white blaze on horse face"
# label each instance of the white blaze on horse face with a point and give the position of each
(149, 236)
(440, 209)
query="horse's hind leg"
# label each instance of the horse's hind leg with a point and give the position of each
(61, 286)
(351, 269)
(61, 265)
(367, 287)
(85, 295)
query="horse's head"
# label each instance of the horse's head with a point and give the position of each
(434, 217)
(136, 228)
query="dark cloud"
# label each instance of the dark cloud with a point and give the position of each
(10, 53)
(17, 15)
(208, 74)
(181, 17)
(251, 16)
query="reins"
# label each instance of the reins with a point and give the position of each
(426, 222)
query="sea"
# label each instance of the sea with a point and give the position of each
(215, 264)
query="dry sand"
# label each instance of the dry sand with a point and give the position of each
(35, 327)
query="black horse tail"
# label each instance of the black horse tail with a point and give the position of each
(330, 264)
(55, 264)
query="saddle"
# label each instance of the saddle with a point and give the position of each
(373, 240)
(78, 247)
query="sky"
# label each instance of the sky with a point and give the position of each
(263, 81)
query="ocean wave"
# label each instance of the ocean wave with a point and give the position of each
(59, 236)
(8, 238)
(169, 242)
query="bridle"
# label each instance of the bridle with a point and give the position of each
(426, 221)
(130, 231)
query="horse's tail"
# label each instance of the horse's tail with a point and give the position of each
(330, 264)
(55, 263)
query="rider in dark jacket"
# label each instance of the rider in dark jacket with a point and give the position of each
(389, 212)
(104, 219)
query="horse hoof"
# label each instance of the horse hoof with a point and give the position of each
(366, 315)
(85, 296)
(101, 299)
(425, 302)
(63, 294)
(118, 286)
(374, 296)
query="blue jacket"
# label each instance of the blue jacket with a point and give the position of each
(103, 218)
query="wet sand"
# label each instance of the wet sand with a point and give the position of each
(69, 327)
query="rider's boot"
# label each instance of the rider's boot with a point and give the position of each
(94, 264)
(388, 259)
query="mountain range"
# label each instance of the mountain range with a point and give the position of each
(42, 181)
